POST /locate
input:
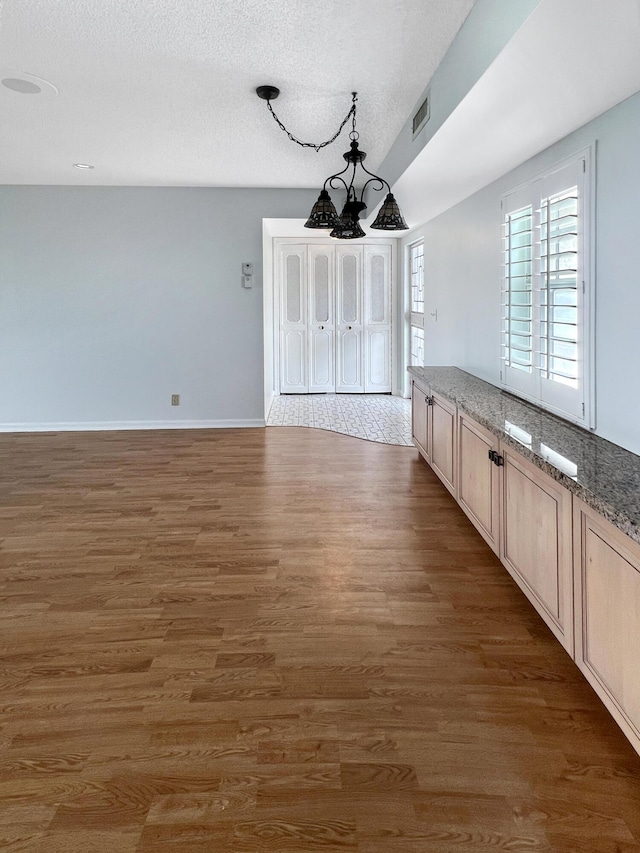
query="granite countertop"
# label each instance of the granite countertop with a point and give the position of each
(602, 474)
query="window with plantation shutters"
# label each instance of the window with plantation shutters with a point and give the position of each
(546, 338)
(416, 278)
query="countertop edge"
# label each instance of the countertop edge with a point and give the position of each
(611, 513)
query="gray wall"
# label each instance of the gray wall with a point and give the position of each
(112, 299)
(490, 25)
(463, 272)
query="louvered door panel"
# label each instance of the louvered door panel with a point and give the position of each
(293, 320)
(377, 319)
(349, 317)
(321, 319)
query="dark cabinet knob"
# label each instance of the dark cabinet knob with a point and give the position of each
(495, 457)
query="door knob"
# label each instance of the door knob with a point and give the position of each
(321, 327)
(349, 327)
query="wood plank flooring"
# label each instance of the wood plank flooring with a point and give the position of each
(279, 641)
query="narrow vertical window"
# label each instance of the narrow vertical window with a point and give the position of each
(416, 274)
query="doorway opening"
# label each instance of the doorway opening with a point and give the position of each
(333, 317)
(314, 282)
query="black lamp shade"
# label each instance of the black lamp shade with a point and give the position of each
(348, 227)
(389, 217)
(347, 230)
(323, 213)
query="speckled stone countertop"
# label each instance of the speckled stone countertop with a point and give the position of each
(602, 474)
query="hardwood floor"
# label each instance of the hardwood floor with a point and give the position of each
(283, 641)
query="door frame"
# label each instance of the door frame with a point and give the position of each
(280, 232)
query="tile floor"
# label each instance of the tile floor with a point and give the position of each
(375, 417)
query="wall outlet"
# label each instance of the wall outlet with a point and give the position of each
(175, 399)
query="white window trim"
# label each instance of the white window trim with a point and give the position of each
(588, 156)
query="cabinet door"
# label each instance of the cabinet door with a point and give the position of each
(479, 479)
(349, 356)
(536, 541)
(420, 420)
(443, 441)
(377, 319)
(321, 319)
(294, 373)
(607, 604)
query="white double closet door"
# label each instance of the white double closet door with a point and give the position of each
(335, 318)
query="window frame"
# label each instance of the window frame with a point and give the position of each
(518, 198)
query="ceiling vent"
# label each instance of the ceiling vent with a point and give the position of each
(422, 116)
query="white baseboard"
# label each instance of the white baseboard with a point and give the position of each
(89, 426)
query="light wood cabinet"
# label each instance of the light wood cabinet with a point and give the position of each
(525, 517)
(580, 572)
(420, 419)
(443, 441)
(479, 479)
(523, 514)
(607, 606)
(434, 433)
(536, 541)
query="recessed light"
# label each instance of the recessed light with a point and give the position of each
(24, 87)
(26, 84)
(82, 166)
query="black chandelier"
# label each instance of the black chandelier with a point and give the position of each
(324, 215)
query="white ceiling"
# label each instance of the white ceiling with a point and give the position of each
(161, 92)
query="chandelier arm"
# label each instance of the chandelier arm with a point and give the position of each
(338, 175)
(378, 189)
(318, 146)
(373, 178)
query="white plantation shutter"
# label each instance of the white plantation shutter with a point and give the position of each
(517, 307)
(545, 330)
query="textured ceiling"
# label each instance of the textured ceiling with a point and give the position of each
(161, 92)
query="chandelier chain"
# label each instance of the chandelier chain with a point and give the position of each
(318, 146)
